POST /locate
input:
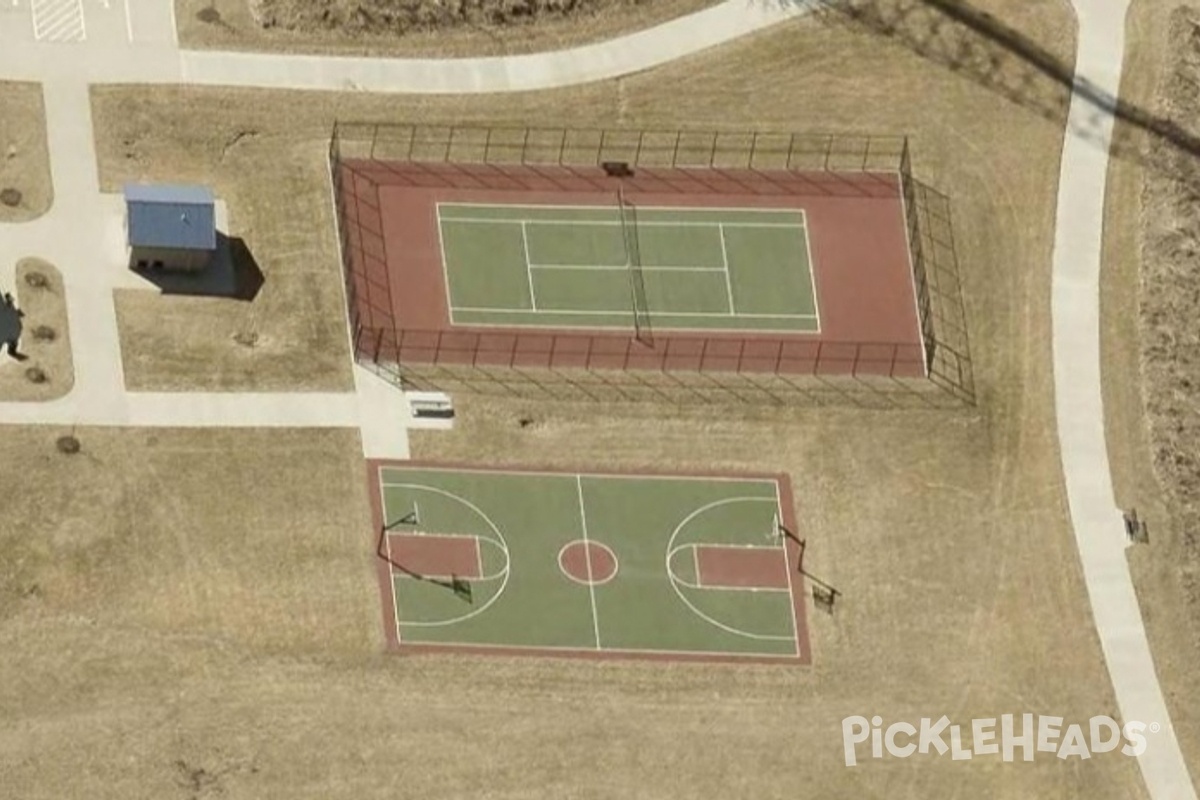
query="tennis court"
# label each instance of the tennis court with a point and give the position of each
(589, 564)
(599, 266)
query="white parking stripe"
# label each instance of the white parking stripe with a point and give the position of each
(58, 21)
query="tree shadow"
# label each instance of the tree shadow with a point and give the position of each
(980, 47)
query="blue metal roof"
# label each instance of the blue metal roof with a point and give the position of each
(174, 216)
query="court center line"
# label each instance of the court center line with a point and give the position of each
(587, 550)
(528, 271)
(725, 267)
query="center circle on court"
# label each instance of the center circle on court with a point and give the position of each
(587, 562)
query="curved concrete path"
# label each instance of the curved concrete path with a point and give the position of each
(1098, 524)
(626, 55)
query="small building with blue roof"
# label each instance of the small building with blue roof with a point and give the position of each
(170, 226)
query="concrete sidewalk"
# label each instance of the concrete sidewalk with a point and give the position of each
(1098, 524)
(622, 56)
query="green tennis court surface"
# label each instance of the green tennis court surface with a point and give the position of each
(673, 566)
(591, 267)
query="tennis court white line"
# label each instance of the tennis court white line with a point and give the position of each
(812, 273)
(766, 212)
(622, 268)
(610, 312)
(611, 223)
(445, 266)
(725, 267)
(588, 555)
(662, 327)
(528, 271)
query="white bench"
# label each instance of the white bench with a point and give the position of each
(430, 404)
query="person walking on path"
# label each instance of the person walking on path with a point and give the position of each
(10, 327)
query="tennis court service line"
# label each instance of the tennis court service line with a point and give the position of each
(623, 268)
(725, 267)
(528, 271)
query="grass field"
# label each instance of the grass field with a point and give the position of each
(24, 159)
(592, 564)
(592, 267)
(234, 27)
(49, 352)
(1150, 371)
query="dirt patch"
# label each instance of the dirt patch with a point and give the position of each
(186, 596)
(25, 187)
(422, 28)
(44, 371)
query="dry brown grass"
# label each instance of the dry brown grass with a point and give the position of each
(1149, 307)
(24, 159)
(462, 28)
(198, 619)
(44, 307)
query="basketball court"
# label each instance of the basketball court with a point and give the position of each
(597, 565)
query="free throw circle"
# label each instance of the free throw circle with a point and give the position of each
(587, 562)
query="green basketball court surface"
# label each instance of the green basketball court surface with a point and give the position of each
(700, 269)
(596, 565)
